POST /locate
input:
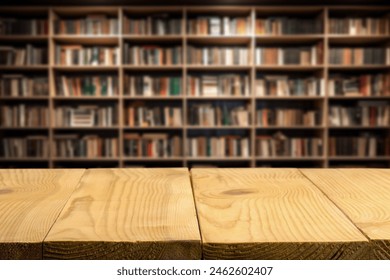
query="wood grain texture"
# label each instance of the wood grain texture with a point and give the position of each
(364, 196)
(128, 214)
(30, 202)
(271, 214)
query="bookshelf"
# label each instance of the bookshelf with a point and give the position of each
(228, 86)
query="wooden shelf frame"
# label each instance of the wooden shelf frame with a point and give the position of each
(251, 40)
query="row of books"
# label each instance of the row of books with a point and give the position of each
(300, 55)
(86, 116)
(152, 55)
(359, 85)
(165, 24)
(288, 26)
(160, 55)
(152, 85)
(23, 115)
(102, 85)
(225, 114)
(152, 145)
(93, 24)
(218, 146)
(17, 26)
(89, 146)
(363, 146)
(283, 85)
(29, 55)
(158, 24)
(287, 117)
(164, 145)
(203, 85)
(29, 146)
(217, 55)
(358, 26)
(14, 85)
(84, 55)
(218, 85)
(281, 145)
(141, 115)
(366, 113)
(214, 25)
(359, 56)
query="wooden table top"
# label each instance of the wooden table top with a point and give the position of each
(210, 213)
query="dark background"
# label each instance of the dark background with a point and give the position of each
(192, 2)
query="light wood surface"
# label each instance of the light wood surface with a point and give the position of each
(271, 214)
(30, 202)
(128, 214)
(364, 196)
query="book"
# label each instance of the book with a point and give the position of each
(363, 145)
(24, 115)
(281, 145)
(28, 55)
(18, 85)
(86, 116)
(31, 146)
(91, 24)
(85, 55)
(359, 85)
(357, 56)
(218, 85)
(364, 113)
(102, 85)
(152, 55)
(288, 26)
(217, 55)
(154, 24)
(23, 26)
(284, 85)
(280, 116)
(85, 146)
(219, 114)
(219, 25)
(218, 146)
(152, 145)
(297, 55)
(140, 114)
(147, 85)
(357, 25)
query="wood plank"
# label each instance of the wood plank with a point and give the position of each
(364, 196)
(30, 202)
(271, 214)
(128, 214)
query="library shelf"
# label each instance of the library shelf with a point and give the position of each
(223, 31)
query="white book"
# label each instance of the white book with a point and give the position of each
(245, 147)
(322, 87)
(205, 53)
(132, 86)
(229, 57)
(215, 26)
(313, 56)
(280, 56)
(110, 86)
(372, 147)
(352, 26)
(260, 87)
(247, 88)
(22, 115)
(226, 26)
(259, 56)
(148, 86)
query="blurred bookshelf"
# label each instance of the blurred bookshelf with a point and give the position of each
(225, 86)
